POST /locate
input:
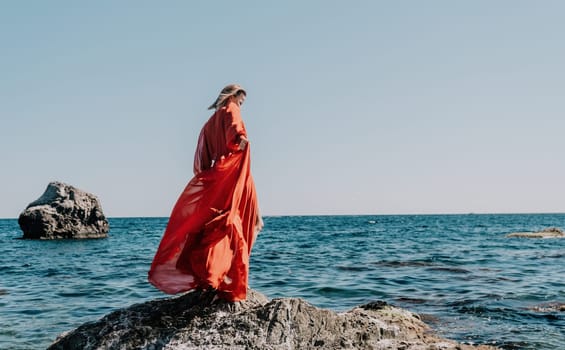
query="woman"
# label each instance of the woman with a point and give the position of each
(214, 223)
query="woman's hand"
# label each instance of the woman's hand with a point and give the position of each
(243, 143)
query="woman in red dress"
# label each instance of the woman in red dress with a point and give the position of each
(214, 223)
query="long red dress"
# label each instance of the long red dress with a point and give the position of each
(214, 223)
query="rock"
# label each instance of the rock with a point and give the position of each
(64, 211)
(197, 320)
(550, 232)
(549, 307)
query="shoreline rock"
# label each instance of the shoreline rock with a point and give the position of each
(550, 232)
(552, 307)
(62, 212)
(198, 320)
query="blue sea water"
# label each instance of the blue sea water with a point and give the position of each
(460, 272)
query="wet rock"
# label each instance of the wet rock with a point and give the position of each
(198, 320)
(64, 211)
(550, 232)
(549, 307)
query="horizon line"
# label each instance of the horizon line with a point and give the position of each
(364, 214)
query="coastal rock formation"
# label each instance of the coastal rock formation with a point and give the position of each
(198, 320)
(550, 232)
(64, 211)
(549, 307)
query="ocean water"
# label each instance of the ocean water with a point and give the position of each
(460, 272)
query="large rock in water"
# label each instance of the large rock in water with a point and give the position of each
(197, 320)
(64, 211)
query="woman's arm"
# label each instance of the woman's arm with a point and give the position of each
(236, 136)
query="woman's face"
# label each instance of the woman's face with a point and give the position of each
(238, 99)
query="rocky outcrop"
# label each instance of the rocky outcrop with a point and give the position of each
(198, 320)
(64, 211)
(550, 232)
(549, 307)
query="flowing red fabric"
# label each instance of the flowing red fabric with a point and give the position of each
(213, 225)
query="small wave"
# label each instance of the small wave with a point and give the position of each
(513, 345)
(394, 263)
(462, 303)
(72, 294)
(51, 272)
(450, 269)
(331, 290)
(351, 268)
(551, 256)
(271, 256)
(337, 292)
(278, 283)
(506, 312)
(31, 312)
(7, 332)
(480, 309)
(506, 279)
(307, 245)
(490, 269)
(407, 300)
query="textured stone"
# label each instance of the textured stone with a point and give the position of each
(198, 320)
(64, 211)
(549, 307)
(550, 232)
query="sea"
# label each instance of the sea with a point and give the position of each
(461, 273)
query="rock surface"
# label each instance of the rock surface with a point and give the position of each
(64, 211)
(549, 307)
(551, 232)
(197, 320)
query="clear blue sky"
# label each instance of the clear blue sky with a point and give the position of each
(360, 107)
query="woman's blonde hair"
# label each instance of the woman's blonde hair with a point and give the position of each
(229, 90)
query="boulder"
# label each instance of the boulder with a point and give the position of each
(64, 211)
(550, 232)
(198, 320)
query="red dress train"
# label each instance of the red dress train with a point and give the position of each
(214, 223)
